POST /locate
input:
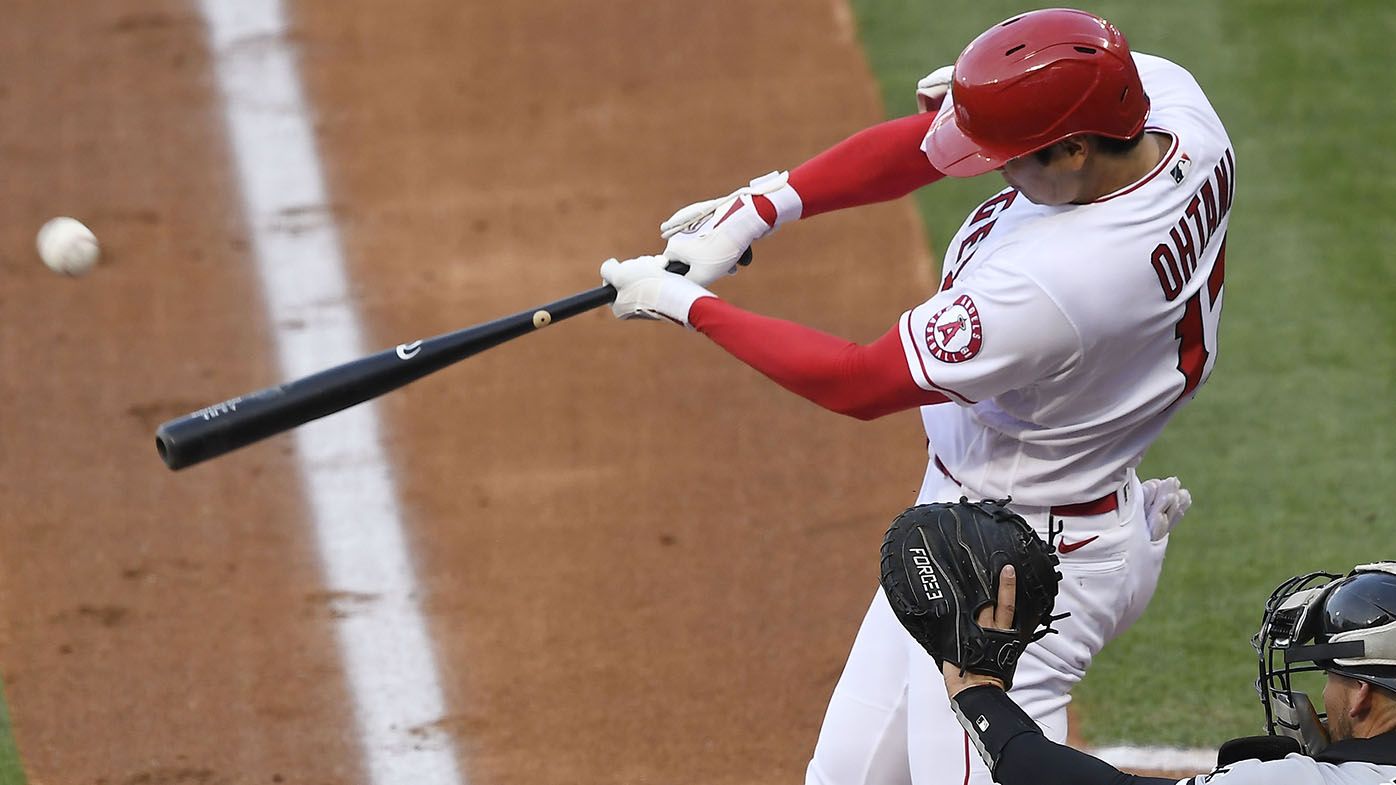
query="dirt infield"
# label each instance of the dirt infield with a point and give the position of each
(157, 628)
(641, 562)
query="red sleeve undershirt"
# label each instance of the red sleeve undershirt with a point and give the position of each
(876, 164)
(865, 382)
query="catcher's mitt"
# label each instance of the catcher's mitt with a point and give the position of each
(940, 567)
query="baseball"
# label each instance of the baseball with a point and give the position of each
(67, 247)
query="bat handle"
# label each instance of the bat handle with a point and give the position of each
(682, 268)
(606, 294)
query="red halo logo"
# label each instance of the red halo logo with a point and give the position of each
(954, 335)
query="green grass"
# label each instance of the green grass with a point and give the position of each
(1289, 448)
(11, 772)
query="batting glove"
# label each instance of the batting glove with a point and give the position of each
(711, 235)
(645, 290)
(931, 90)
(1165, 503)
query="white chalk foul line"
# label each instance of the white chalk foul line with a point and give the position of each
(1157, 758)
(383, 638)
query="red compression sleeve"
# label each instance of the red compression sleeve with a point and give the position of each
(865, 382)
(874, 165)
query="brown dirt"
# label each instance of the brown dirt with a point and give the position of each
(156, 627)
(641, 561)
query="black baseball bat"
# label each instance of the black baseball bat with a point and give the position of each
(238, 422)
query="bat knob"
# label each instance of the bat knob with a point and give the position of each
(682, 268)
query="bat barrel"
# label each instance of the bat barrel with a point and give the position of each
(210, 432)
(238, 422)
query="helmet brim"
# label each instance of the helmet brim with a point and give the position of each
(953, 153)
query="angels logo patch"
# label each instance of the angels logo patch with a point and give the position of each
(954, 333)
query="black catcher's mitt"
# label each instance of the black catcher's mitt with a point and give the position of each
(940, 567)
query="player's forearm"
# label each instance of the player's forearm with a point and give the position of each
(877, 164)
(1018, 754)
(865, 382)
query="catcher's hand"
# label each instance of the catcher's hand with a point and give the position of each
(941, 569)
(999, 617)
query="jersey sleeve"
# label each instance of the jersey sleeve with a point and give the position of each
(997, 333)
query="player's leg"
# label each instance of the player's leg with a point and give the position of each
(863, 739)
(937, 746)
(1143, 582)
(1104, 588)
(864, 736)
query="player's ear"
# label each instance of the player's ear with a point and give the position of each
(1074, 150)
(1363, 699)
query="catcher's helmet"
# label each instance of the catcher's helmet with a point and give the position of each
(1032, 81)
(1323, 622)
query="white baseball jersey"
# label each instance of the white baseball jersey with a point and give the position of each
(1297, 770)
(1070, 334)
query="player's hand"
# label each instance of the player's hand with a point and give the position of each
(1165, 503)
(931, 90)
(645, 290)
(711, 235)
(998, 616)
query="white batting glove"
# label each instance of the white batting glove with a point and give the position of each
(711, 235)
(1165, 503)
(645, 290)
(931, 90)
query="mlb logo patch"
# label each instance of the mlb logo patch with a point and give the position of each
(1179, 172)
(954, 334)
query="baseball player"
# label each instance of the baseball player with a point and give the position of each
(1342, 626)
(1078, 313)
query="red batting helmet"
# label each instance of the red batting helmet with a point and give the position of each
(1032, 81)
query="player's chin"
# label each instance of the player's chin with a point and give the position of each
(1028, 192)
(1044, 197)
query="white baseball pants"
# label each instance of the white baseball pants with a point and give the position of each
(889, 721)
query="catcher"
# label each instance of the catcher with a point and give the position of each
(974, 585)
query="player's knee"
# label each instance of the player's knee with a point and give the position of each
(852, 775)
(814, 775)
(860, 760)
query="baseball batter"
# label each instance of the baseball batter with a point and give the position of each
(1078, 313)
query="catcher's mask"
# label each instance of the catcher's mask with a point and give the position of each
(1324, 622)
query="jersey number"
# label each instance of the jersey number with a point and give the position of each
(1198, 321)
